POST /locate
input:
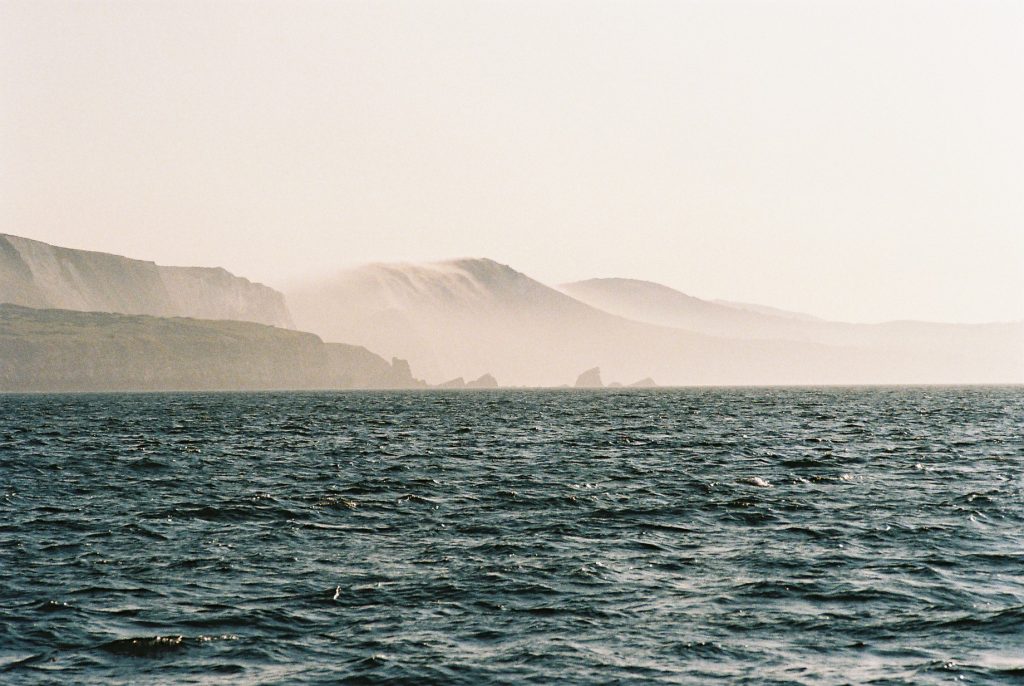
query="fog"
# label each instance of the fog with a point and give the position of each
(858, 160)
(708, 192)
(470, 317)
(81, 320)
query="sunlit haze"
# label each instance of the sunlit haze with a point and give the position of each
(861, 161)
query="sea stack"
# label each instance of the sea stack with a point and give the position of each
(485, 381)
(590, 379)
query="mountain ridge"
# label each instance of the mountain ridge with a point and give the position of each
(52, 350)
(468, 316)
(41, 275)
(656, 303)
(474, 317)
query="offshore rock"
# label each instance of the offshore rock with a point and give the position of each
(485, 381)
(590, 379)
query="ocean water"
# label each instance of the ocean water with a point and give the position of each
(746, 536)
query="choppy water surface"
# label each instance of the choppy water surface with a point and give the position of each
(822, 536)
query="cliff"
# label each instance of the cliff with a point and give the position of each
(62, 350)
(460, 318)
(353, 366)
(36, 274)
(463, 318)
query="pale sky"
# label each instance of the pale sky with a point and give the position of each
(857, 160)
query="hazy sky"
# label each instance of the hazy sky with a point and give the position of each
(860, 160)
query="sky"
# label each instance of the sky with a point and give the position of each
(858, 160)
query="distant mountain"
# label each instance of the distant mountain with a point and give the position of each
(467, 317)
(63, 350)
(765, 309)
(40, 275)
(657, 304)
(650, 302)
(450, 319)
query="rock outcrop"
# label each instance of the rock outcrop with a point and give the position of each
(353, 366)
(63, 350)
(590, 379)
(36, 274)
(646, 382)
(485, 381)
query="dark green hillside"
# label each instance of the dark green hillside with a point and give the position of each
(63, 350)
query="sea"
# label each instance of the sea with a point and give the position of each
(664, 536)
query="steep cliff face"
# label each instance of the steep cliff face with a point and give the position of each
(36, 274)
(63, 350)
(353, 366)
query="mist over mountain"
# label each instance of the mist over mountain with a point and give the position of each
(650, 302)
(466, 317)
(767, 309)
(63, 350)
(454, 320)
(654, 303)
(36, 274)
(657, 304)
